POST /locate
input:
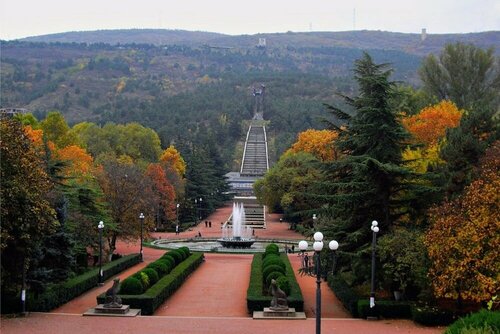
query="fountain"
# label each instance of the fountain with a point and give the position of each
(238, 235)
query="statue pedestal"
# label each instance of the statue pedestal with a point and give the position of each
(123, 311)
(285, 314)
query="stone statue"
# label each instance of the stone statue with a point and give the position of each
(279, 301)
(112, 300)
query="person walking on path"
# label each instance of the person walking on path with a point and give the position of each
(206, 223)
(209, 224)
(306, 262)
(176, 229)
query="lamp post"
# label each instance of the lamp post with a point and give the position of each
(141, 218)
(303, 248)
(197, 210)
(375, 230)
(100, 227)
(177, 213)
(201, 202)
(333, 245)
(318, 246)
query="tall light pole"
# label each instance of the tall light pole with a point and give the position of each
(177, 213)
(201, 202)
(141, 218)
(333, 245)
(318, 246)
(375, 230)
(303, 248)
(197, 211)
(100, 227)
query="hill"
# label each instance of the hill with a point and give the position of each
(362, 39)
(191, 85)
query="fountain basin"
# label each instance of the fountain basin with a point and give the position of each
(236, 243)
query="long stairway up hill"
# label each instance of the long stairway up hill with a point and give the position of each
(254, 165)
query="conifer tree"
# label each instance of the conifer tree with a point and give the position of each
(369, 182)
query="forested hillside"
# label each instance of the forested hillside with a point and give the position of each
(179, 84)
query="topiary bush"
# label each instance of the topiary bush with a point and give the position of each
(271, 249)
(170, 259)
(144, 280)
(482, 322)
(177, 255)
(152, 275)
(167, 263)
(160, 267)
(274, 275)
(185, 250)
(273, 261)
(131, 286)
(284, 284)
(271, 269)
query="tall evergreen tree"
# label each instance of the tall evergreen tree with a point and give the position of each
(370, 181)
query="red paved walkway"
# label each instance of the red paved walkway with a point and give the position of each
(331, 307)
(217, 288)
(39, 323)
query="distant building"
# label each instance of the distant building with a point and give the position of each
(262, 43)
(423, 36)
(10, 112)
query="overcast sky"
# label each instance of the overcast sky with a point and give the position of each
(21, 18)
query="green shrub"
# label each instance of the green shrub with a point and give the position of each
(483, 321)
(160, 267)
(185, 250)
(270, 269)
(345, 294)
(131, 286)
(178, 256)
(388, 309)
(168, 264)
(271, 249)
(144, 279)
(152, 275)
(256, 300)
(270, 257)
(274, 275)
(170, 259)
(274, 261)
(431, 316)
(156, 295)
(284, 284)
(57, 294)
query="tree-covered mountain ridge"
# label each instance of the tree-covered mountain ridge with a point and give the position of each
(358, 39)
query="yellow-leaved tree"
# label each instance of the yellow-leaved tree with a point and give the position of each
(428, 127)
(464, 238)
(320, 143)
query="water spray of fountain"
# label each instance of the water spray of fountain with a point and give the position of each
(238, 235)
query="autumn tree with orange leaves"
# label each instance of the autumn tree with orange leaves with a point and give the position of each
(429, 127)
(320, 143)
(164, 193)
(464, 238)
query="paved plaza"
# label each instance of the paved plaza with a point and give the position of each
(212, 300)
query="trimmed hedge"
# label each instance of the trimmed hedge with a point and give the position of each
(131, 285)
(152, 275)
(156, 295)
(483, 321)
(59, 294)
(431, 316)
(256, 301)
(385, 309)
(345, 294)
(273, 261)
